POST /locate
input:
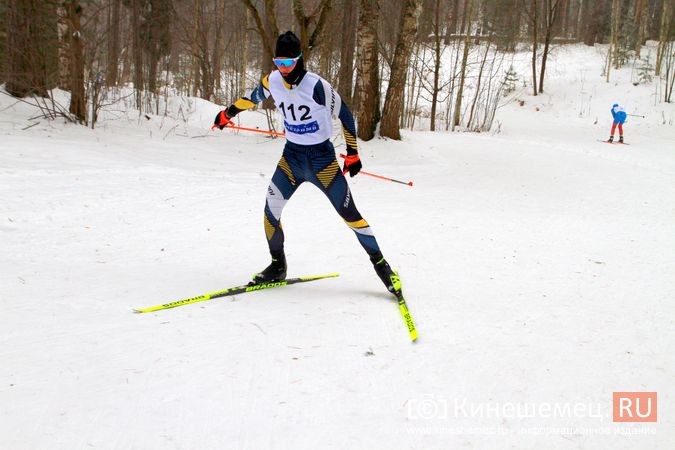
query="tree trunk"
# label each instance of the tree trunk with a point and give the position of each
(640, 16)
(451, 21)
(665, 33)
(31, 46)
(113, 43)
(393, 103)
(462, 75)
(244, 55)
(327, 67)
(598, 16)
(616, 20)
(577, 26)
(202, 52)
(564, 18)
(460, 87)
(478, 86)
(367, 66)
(552, 7)
(346, 73)
(535, 26)
(268, 31)
(63, 52)
(78, 104)
(308, 38)
(669, 75)
(217, 44)
(437, 65)
(413, 94)
(137, 52)
(466, 18)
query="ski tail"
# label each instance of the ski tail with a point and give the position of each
(234, 291)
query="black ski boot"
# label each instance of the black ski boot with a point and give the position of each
(276, 271)
(386, 274)
(611, 139)
(620, 139)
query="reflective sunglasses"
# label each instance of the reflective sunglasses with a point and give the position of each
(286, 62)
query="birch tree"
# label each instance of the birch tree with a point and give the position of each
(367, 70)
(393, 104)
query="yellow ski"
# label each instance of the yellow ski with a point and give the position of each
(407, 318)
(234, 291)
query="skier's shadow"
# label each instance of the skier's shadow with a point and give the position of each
(377, 294)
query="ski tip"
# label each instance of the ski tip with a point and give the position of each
(318, 277)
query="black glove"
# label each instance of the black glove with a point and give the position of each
(221, 120)
(352, 162)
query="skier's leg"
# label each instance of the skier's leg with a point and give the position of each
(333, 184)
(282, 186)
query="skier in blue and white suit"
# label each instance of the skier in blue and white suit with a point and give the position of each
(618, 119)
(308, 104)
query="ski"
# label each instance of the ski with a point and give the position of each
(407, 317)
(397, 290)
(234, 291)
(615, 142)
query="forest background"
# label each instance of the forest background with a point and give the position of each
(431, 64)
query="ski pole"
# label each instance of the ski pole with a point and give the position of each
(255, 130)
(409, 183)
(635, 115)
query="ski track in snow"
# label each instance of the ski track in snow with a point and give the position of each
(537, 264)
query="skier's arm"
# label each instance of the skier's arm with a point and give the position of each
(339, 109)
(348, 128)
(257, 95)
(324, 94)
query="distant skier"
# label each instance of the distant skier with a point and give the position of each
(308, 104)
(619, 117)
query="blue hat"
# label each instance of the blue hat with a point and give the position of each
(615, 104)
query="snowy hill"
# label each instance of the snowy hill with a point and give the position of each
(537, 262)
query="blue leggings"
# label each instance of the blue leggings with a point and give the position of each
(317, 165)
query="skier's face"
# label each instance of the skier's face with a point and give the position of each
(287, 70)
(286, 64)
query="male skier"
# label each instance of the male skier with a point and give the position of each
(308, 104)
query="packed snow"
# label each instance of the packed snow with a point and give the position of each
(537, 262)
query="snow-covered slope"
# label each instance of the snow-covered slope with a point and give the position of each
(537, 262)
